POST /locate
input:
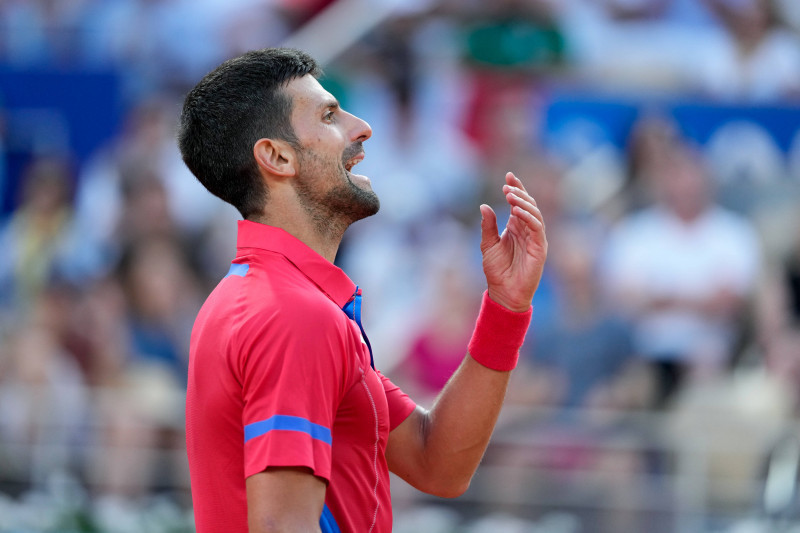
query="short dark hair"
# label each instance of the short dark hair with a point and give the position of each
(232, 107)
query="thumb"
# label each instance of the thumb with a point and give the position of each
(489, 234)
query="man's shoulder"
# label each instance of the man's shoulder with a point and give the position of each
(259, 294)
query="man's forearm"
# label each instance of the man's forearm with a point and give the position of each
(457, 429)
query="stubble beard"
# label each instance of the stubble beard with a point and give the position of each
(334, 210)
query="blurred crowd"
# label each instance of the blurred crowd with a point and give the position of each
(672, 288)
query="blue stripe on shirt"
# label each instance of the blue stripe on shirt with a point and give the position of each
(287, 423)
(327, 523)
(238, 269)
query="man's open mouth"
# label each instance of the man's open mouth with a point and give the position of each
(354, 161)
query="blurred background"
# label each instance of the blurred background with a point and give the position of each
(658, 387)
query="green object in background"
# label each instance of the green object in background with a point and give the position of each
(515, 43)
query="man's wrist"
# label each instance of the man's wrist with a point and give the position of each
(513, 306)
(498, 335)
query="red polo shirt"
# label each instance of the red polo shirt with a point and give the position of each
(279, 375)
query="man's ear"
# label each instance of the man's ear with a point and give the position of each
(275, 156)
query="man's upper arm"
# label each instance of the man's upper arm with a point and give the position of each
(285, 499)
(404, 451)
(292, 380)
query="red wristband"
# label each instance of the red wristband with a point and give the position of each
(498, 335)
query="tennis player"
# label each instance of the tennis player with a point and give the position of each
(290, 424)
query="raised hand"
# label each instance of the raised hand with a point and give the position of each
(513, 261)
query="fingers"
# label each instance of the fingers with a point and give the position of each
(532, 221)
(515, 191)
(513, 181)
(519, 190)
(489, 233)
(523, 205)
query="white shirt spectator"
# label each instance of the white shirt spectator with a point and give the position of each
(657, 255)
(770, 72)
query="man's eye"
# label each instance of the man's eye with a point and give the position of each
(329, 116)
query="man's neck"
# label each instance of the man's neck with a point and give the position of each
(323, 239)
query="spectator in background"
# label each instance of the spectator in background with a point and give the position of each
(584, 357)
(42, 405)
(683, 269)
(145, 212)
(138, 184)
(133, 324)
(37, 240)
(641, 44)
(141, 357)
(760, 60)
(97, 327)
(144, 146)
(648, 149)
(163, 299)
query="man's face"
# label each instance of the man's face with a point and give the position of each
(330, 145)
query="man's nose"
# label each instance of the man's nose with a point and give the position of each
(361, 131)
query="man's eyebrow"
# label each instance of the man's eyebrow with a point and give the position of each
(329, 104)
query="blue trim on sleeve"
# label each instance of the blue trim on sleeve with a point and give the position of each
(327, 523)
(238, 269)
(287, 423)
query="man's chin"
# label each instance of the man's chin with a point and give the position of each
(370, 204)
(366, 201)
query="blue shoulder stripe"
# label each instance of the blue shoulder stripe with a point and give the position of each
(287, 423)
(327, 523)
(238, 269)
